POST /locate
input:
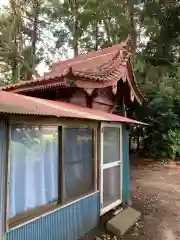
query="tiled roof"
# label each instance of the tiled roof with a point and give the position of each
(99, 65)
(106, 66)
(17, 104)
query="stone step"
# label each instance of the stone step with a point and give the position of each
(123, 221)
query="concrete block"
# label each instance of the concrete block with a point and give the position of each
(122, 222)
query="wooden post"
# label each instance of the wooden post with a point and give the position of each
(124, 108)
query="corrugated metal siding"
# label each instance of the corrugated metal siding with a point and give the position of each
(126, 166)
(68, 223)
(3, 164)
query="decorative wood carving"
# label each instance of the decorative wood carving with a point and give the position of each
(104, 100)
(114, 88)
(124, 77)
(86, 83)
(79, 98)
(89, 91)
(132, 96)
(104, 96)
(70, 82)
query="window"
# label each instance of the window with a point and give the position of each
(111, 145)
(111, 170)
(33, 167)
(78, 162)
(45, 174)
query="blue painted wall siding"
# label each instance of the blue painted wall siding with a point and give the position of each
(3, 163)
(68, 223)
(126, 166)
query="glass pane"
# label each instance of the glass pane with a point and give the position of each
(111, 185)
(78, 162)
(111, 144)
(34, 167)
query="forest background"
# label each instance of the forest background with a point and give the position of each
(34, 33)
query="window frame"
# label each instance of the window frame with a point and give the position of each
(110, 165)
(31, 215)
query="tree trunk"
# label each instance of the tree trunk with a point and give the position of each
(14, 68)
(96, 35)
(138, 144)
(107, 24)
(124, 108)
(16, 13)
(34, 34)
(75, 28)
(133, 33)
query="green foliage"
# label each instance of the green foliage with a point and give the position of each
(157, 68)
(162, 114)
(37, 31)
(174, 142)
(60, 27)
(20, 39)
(162, 111)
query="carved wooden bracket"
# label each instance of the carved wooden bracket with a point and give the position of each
(89, 91)
(132, 95)
(114, 88)
(124, 78)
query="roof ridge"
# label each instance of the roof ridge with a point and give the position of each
(108, 68)
(87, 56)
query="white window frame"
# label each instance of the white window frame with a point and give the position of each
(109, 165)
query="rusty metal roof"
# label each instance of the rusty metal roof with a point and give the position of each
(12, 103)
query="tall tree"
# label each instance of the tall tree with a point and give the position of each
(21, 25)
(34, 39)
(16, 37)
(157, 70)
(69, 20)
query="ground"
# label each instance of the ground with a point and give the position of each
(156, 194)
